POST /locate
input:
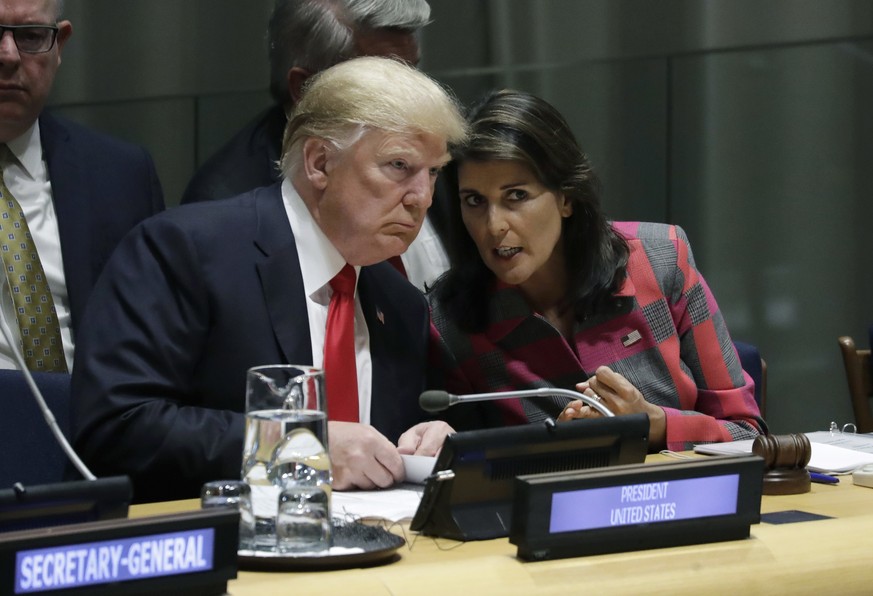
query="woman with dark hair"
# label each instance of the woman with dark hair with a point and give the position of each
(545, 292)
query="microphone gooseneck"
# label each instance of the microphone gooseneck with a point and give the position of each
(436, 401)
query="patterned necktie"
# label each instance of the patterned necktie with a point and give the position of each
(40, 332)
(340, 370)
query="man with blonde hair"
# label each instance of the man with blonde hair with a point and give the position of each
(198, 295)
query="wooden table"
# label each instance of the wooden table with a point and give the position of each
(825, 556)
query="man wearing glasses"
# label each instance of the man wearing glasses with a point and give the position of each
(68, 194)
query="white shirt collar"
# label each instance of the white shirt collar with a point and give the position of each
(27, 148)
(319, 260)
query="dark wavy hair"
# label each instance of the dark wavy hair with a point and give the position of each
(517, 126)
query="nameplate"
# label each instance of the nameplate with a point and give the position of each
(193, 553)
(636, 507)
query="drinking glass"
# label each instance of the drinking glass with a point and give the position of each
(237, 494)
(286, 440)
(303, 520)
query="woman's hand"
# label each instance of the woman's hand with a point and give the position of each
(621, 397)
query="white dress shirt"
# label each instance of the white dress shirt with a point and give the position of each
(425, 259)
(28, 181)
(319, 263)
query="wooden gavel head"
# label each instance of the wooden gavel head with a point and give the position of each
(785, 459)
(783, 451)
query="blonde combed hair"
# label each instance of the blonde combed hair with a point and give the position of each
(370, 93)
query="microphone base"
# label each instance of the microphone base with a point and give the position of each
(474, 502)
(44, 505)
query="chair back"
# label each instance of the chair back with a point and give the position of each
(858, 375)
(870, 343)
(30, 454)
(756, 367)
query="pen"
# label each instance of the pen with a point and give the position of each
(823, 478)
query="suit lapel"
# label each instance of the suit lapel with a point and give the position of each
(70, 196)
(398, 366)
(527, 337)
(281, 279)
(374, 315)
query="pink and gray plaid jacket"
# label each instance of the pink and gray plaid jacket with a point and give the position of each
(666, 336)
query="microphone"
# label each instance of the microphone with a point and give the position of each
(436, 401)
(43, 407)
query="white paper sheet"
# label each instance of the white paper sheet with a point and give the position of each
(393, 504)
(418, 467)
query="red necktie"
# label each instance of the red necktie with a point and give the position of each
(340, 371)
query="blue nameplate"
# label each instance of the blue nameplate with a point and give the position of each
(192, 552)
(636, 507)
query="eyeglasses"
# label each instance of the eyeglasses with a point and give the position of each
(31, 39)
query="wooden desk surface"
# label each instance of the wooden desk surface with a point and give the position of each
(831, 555)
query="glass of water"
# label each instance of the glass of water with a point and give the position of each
(285, 442)
(303, 520)
(236, 494)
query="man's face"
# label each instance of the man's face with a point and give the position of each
(375, 194)
(26, 79)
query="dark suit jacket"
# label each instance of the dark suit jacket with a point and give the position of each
(191, 299)
(249, 159)
(101, 188)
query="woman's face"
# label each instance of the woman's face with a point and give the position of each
(514, 220)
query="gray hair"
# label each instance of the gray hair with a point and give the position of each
(316, 34)
(370, 93)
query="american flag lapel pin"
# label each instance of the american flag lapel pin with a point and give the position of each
(631, 338)
(380, 315)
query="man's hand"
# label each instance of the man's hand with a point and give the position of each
(424, 439)
(361, 457)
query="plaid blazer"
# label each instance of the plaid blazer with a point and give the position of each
(665, 335)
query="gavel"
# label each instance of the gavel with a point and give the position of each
(785, 459)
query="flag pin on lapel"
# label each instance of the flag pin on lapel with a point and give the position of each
(380, 315)
(631, 338)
